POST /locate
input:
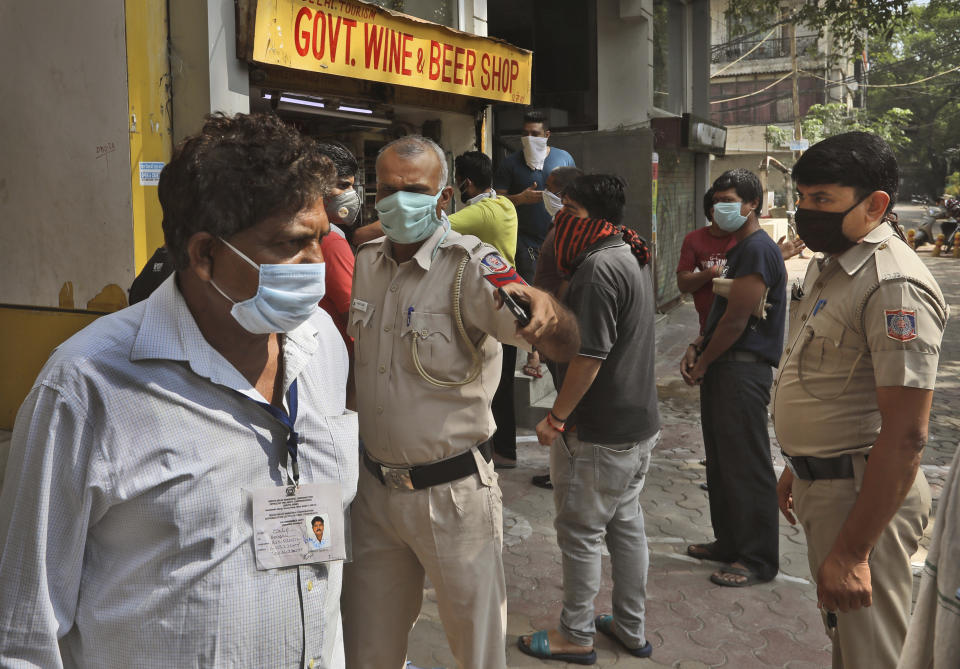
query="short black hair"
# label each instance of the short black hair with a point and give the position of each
(534, 116)
(602, 195)
(745, 182)
(708, 204)
(564, 176)
(238, 171)
(317, 519)
(476, 166)
(343, 159)
(860, 160)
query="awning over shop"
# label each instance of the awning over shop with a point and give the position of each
(362, 41)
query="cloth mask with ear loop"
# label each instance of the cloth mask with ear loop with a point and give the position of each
(822, 231)
(287, 295)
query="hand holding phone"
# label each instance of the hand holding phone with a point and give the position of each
(523, 318)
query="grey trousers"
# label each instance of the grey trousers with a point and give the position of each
(596, 492)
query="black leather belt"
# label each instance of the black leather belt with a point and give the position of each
(424, 476)
(812, 469)
(740, 356)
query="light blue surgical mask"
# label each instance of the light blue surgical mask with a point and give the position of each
(727, 216)
(408, 218)
(287, 295)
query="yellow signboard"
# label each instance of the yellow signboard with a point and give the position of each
(355, 39)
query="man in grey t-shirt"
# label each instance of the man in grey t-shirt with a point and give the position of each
(603, 424)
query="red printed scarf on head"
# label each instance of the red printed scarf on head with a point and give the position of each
(573, 235)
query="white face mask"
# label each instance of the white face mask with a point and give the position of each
(534, 151)
(287, 295)
(552, 203)
(482, 196)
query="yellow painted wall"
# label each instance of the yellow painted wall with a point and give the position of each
(27, 337)
(148, 83)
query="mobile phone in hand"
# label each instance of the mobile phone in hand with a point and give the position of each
(523, 318)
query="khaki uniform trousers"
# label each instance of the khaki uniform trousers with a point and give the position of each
(871, 637)
(451, 532)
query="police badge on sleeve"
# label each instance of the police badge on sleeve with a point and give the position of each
(498, 271)
(901, 324)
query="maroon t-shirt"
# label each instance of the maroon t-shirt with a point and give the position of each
(699, 251)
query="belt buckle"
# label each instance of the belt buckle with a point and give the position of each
(396, 477)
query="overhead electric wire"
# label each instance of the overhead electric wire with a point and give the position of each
(911, 83)
(740, 97)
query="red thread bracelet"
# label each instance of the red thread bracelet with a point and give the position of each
(559, 428)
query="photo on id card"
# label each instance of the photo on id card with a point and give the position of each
(294, 525)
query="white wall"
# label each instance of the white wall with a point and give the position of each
(65, 207)
(624, 64)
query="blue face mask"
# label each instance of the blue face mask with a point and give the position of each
(408, 218)
(727, 216)
(287, 295)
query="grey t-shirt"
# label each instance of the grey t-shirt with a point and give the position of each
(612, 296)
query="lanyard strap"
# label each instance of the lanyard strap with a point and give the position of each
(289, 421)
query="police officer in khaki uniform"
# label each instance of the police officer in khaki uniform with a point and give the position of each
(426, 325)
(852, 397)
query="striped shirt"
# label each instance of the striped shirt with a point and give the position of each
(125, 514)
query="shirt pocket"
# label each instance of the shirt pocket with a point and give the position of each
(829, 355)
(360, 327)
(432, 334)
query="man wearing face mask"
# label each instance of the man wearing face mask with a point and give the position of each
(342, 205)
(426, 326)
(488, 217)
(703, 256)
(521, 178)
(852, 397)
(733, 363)
(130, 528)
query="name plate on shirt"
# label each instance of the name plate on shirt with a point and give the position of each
(294, 526)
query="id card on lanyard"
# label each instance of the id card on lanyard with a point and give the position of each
(296, 524)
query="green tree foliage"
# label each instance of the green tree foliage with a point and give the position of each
(823, 121)
(848, 20)
(927, 44)
(953, 185)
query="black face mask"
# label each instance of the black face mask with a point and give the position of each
(463, 191)
(823, 230)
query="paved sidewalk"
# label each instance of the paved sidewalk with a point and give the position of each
(691, 623)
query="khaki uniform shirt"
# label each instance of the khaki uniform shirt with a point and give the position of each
(404, 419)
(871, 317)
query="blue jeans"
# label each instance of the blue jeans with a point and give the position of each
(596, 491)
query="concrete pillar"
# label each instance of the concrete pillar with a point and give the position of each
(205, 73)
(700, 79)
(624, 63)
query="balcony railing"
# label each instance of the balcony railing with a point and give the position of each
(772, 47)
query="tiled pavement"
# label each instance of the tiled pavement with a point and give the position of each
(691, 623)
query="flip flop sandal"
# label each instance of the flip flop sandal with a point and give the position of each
(540, 648)
(751, 578)
(604, 625)
(542, 481)
(706, 552)
(533, 370)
